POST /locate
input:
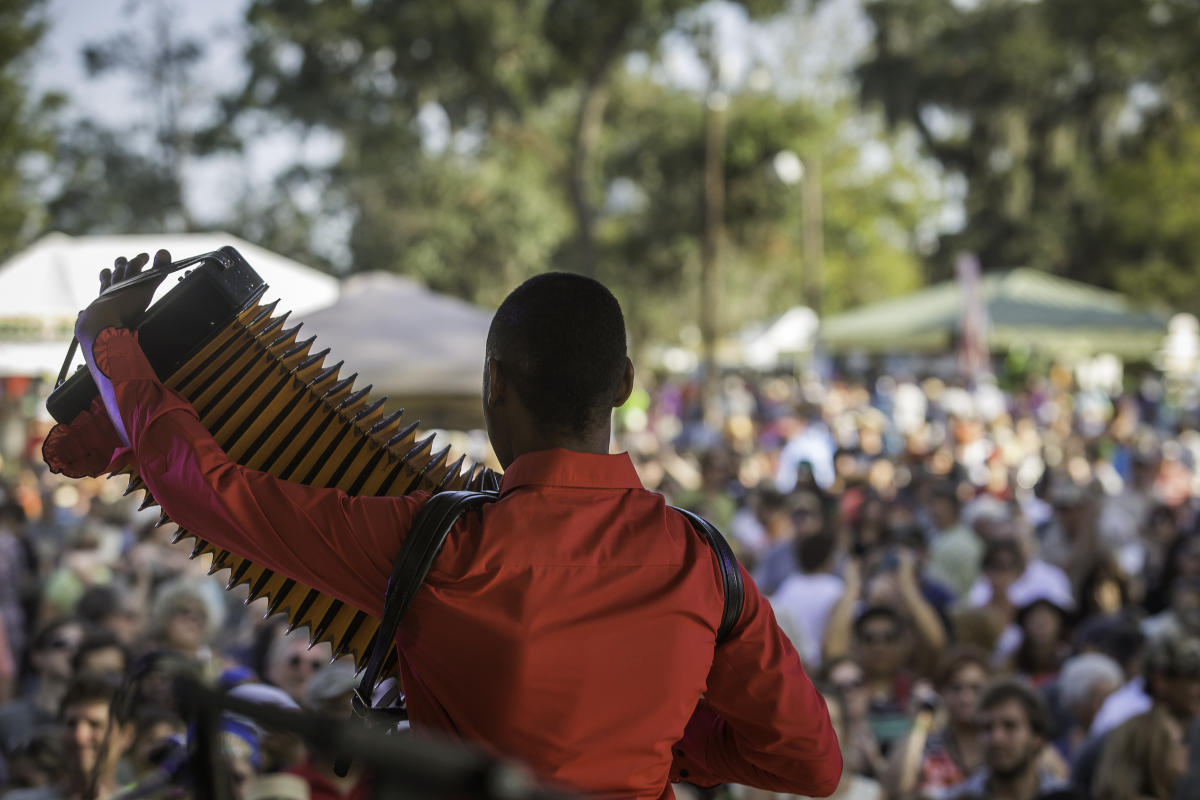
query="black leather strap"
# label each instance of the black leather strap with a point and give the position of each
(417, 554)
(735, 592)
(424, 542)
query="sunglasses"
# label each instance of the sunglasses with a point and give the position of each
(192, 612)
(61, 644)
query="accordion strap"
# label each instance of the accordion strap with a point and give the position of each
(421, 546)
(731, 574)
(424, 541)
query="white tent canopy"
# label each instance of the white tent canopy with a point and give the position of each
(44, 287)
(793, 331)
(403, 338)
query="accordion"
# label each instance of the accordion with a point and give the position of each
(272, 403)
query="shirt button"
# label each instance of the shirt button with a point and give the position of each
(683, 773)
(679, 753)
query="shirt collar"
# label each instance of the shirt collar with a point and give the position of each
(571, 468)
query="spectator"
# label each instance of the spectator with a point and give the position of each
(1003, 563)
(38, 763)
(805, 600)
(860, 748)
(1172, 687)
(328, 692)
(1044, 640)
(101, 652)
(1083, 684)
(1013, 725)
(277, 749)
(939, 755)
(1182, 617)
(49, 660)
(883, 643)
(955, 552)
(157, 733)
(291, 663)
(184, 617)
(110, 607)
(94, 740)
(786, 520)
(1143, 758)
(1121, 640)
(853, 785)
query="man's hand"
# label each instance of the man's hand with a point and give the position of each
(120, 309)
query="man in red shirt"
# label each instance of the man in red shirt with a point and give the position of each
(570, 625)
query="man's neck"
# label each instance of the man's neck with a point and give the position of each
(594, 442)
(1022, 786)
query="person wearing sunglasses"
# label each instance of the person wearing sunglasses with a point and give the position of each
(49, 675)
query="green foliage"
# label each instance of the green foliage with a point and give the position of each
(1152, 216)
(551, 155)
(1035, 104)
(105, 184)
(23, 122)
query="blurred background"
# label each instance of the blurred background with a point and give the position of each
(908, 282)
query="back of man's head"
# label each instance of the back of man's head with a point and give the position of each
(560, 339)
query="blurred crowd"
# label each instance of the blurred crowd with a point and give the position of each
(996, 590)
(99, 612)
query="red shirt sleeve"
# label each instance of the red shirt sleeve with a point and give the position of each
(341, 545)
(761, 722)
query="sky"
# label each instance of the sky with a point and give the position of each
(809, 50)
(114, 99)
(74, 23)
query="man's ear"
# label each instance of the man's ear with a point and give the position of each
(626, 387)
(493, 390)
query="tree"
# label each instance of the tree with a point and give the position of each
(650, 234)
(24, 123)
(1151, 215)
(464, 160)
(1033, 104)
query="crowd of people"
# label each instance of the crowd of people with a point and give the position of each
(997, 592)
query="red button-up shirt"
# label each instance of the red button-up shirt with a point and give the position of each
(570, 625)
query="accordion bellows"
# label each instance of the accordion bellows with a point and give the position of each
(274, 405)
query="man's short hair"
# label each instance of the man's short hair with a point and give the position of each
(99, 640)
(1173, 656)
(561, 341)
(813, 551)
(878, 612)
(958, 657)
(88, 688)
(1007, 689)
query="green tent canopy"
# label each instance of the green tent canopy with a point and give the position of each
(1025, 308)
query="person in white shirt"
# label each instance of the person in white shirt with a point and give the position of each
(805, 599)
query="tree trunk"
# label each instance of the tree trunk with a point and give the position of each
(583, 143)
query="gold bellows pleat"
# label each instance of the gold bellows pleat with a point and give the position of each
(274, 406)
